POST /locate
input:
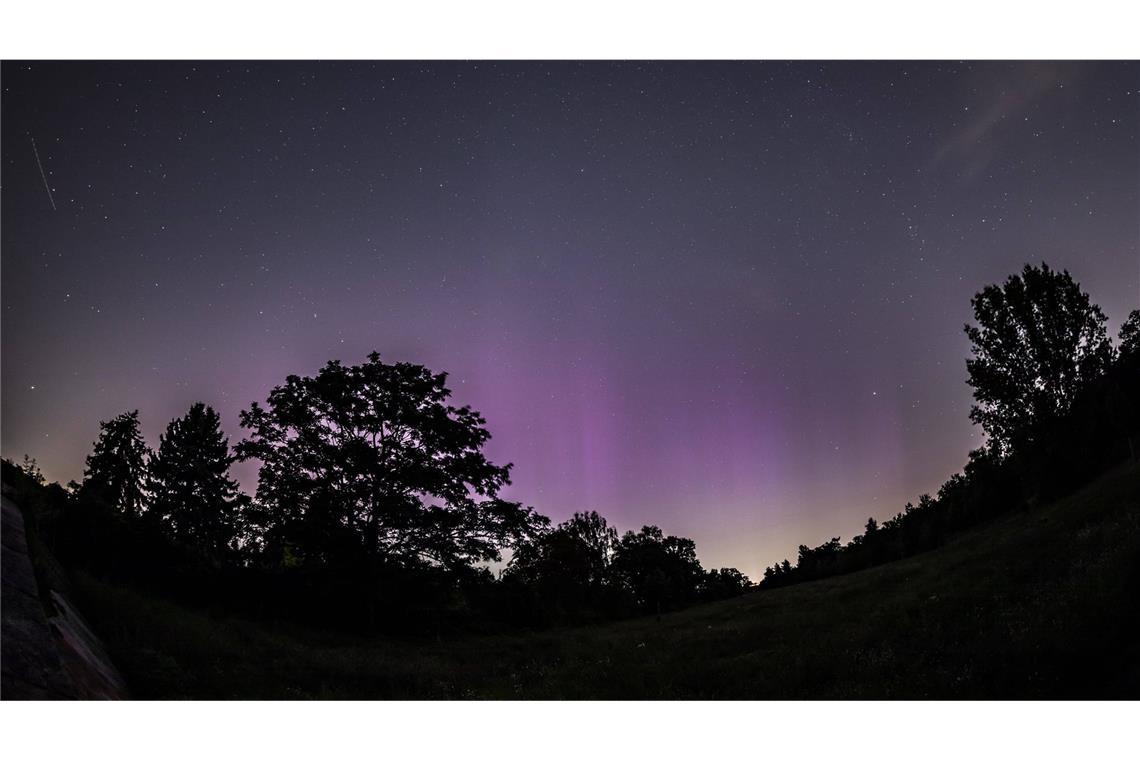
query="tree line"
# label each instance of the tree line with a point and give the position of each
(375, 505)
(1057, 401)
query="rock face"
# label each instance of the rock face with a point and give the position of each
(84, 658)
(30, 666)
(42, 657)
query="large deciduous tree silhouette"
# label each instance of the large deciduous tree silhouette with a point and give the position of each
(192, 494)
(1037, 341)
(116, 470)
(372, 457)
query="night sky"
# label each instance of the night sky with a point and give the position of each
(723, 298)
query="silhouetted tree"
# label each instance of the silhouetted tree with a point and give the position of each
(1130, 334)
(820, 561)
(31, 468)
(1037, 341)
(598, 541)
(193, 496)
(1122, 399)
(579, 550)
(662, 572)
(779, 574)
(371, 456)
(567, 569)
(116, 469)
(724, 583)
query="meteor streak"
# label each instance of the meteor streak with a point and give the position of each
(44, 176)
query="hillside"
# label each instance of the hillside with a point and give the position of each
(1041, 603)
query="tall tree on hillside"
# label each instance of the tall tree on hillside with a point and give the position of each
(192, 493)
(1038, 340)
(116, 469)
(372, 458)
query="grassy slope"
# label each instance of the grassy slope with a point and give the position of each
(1042, 603)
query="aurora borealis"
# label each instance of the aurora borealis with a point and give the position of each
(725, 298)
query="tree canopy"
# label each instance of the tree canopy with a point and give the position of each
(1130, 334)
(1037, 341)
(116, 470)
(372, 457)
(192, 494)
(579, 551)
(662, 572)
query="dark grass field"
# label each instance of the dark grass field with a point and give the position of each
(1044, 603)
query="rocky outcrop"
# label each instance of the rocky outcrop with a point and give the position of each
(84, 658)
(30, 666)
(47, 651)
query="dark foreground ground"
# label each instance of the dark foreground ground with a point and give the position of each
(1043, 603)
